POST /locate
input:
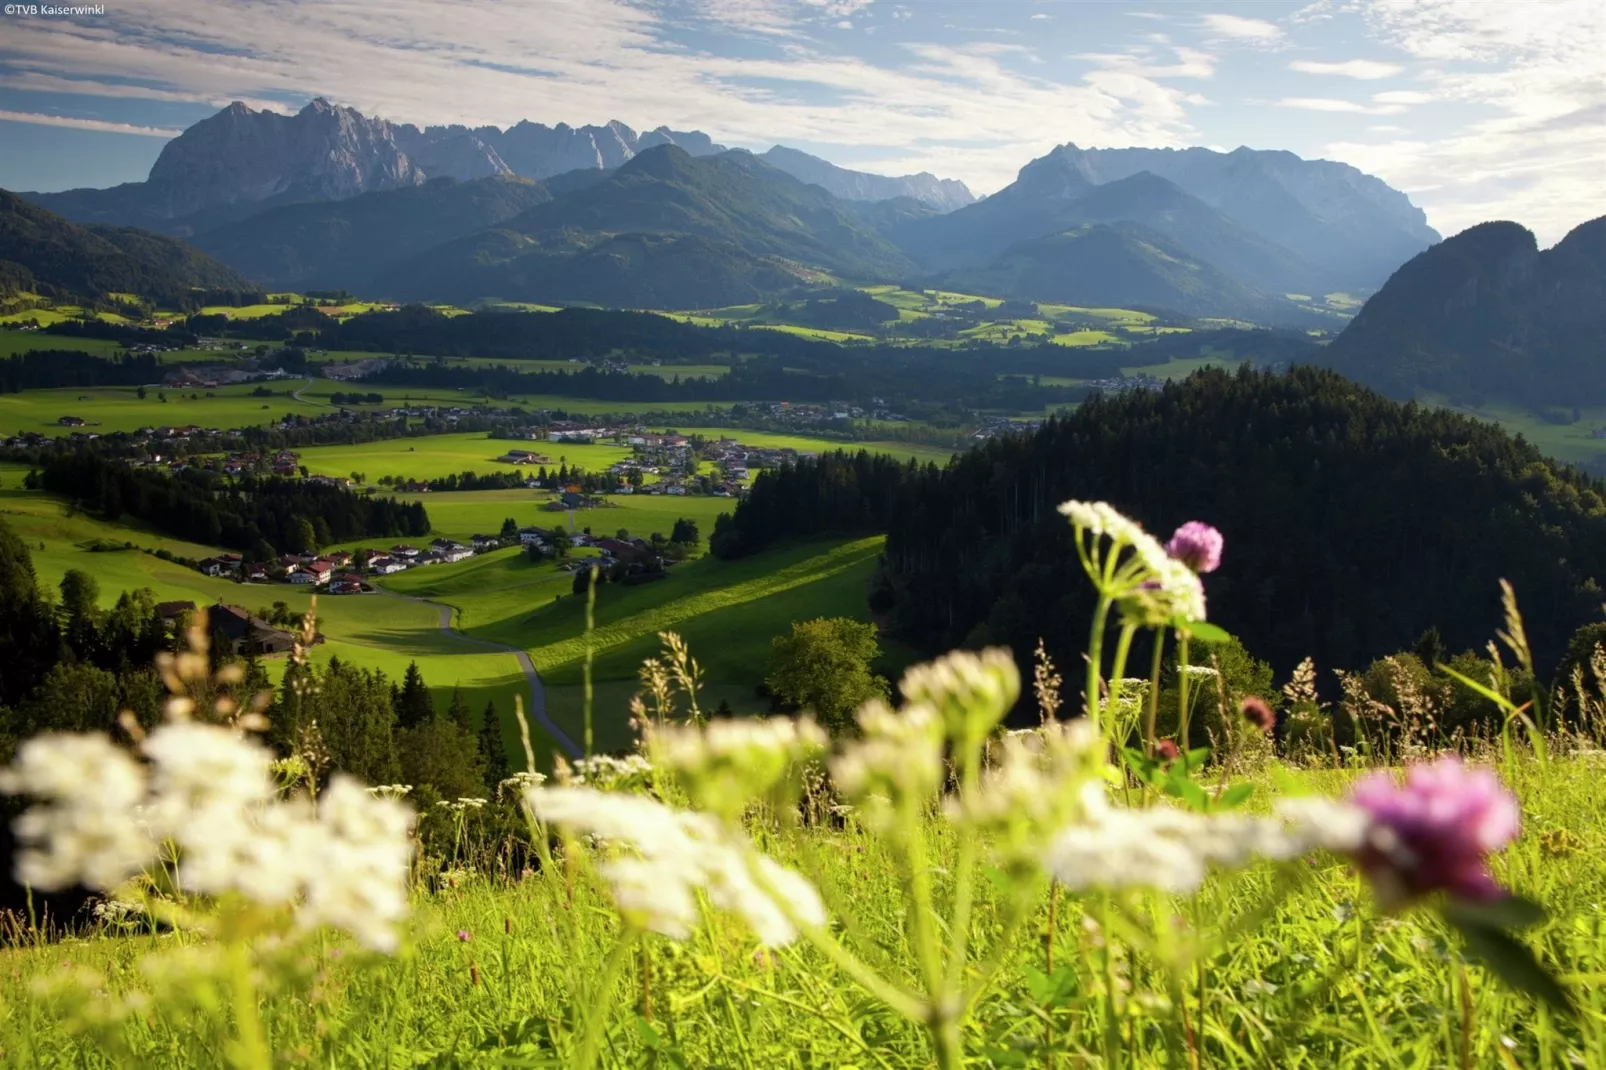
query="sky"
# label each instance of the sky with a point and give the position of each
(1478, 109)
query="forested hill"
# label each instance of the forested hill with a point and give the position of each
(1353, 523)
(1488, 316)
(44, 253)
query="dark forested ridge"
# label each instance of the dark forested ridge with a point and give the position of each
(44, 253)
(1353, 523)
(348, 243)
(1487, 316)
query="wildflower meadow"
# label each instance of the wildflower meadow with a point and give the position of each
(936, 885)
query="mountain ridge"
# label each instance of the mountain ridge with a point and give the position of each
(65, 259)
(944, 194)
(1485, 315)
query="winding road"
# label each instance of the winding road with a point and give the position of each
(537, 704)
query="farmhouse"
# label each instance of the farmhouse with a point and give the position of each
(179, 611)
(70, 421)
(245, 633)
(221, 565)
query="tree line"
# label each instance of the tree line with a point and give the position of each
(42, 369)
(1353, 523)
(261, 517)
(838, 493)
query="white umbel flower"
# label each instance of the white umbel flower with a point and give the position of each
(728, 762)
(1173, 850)
(1154, 587)
(209, 794)
(672, 855)
(88, 830)
(357, 879)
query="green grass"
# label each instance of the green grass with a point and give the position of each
(810, 444)
(460, 514)
(728, 610)
(372, 631)
(440, 455)
(1177, 368)
(1298, 970)
(119, 408)
(13, 343)
(1084, 338)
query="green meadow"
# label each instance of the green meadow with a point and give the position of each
(462, 513)
(727, 610)
(373, 631)
(811, 444)
(439, 455)
(13, 343)
(119, 408)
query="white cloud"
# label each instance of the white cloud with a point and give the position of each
(1041, 15)
(1344, 106)
(1365, 70)
(1403, 96)
(37, 119)
(1239, 28)
(976, 111)
(1536, 78)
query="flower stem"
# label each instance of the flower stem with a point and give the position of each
(1154, 694)
(1182, 693)
(599, 999)
(250, 1042)
(1095, 659)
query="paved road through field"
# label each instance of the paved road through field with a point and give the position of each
(537, 704)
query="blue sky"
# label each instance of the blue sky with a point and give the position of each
(1478, 110)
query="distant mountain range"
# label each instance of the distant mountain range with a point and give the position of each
(1120, 265)
(242, 160)
(1486, 316)
(40, 252)
(330, 198)
(943, 194)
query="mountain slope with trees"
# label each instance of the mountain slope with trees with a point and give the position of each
(326, 245)
(1122, 265)
(42, 252)
(1487, 316)
(1352, 523)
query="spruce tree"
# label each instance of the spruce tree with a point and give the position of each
(493, 750)
(458, 711)
(414, 706)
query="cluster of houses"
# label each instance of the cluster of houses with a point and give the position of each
(206, 376)
(1003, 425)
(145, 436)
(341, 572)
(1116, 384)
(333, 571)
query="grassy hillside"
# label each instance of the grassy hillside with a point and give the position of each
(371, 630)
(727, 611)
